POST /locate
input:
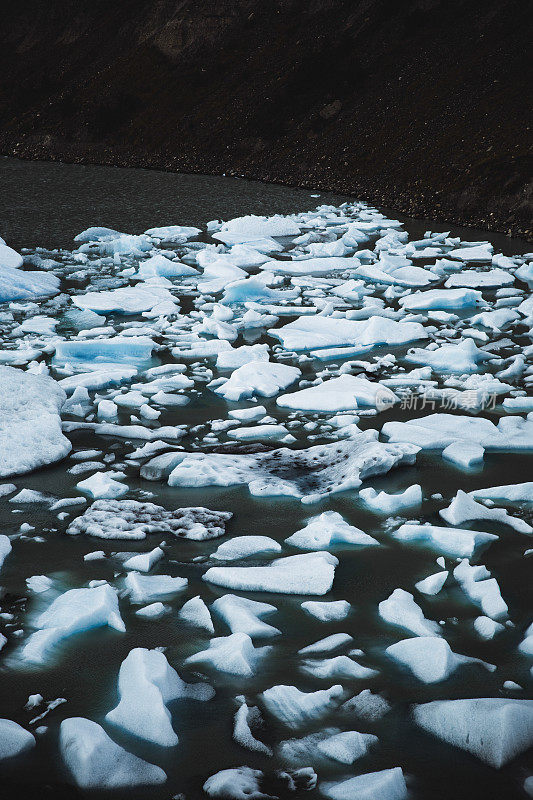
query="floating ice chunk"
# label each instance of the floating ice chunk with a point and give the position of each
(344, 393)
(255, 227)
(233, 654)
(243, 615)
(152, 611)
(295, 708)
(17, 284)
(262, 378)
(238, 783)
(129, 519)
(126, 300)
(400, 609)
(274, 433)
(464, 508)
(117, 349)
(96, 762)
(526, 645)
(486, 627)
(239, 356)
(5, 548)
(160, 266)
(172, 233)
(337, 668)
(308, 474)
(242, 733)
(328, 644)
(441, 299)
(518, 404)
(429, 658)
(367, 706)
(495, 730)
(309, 333)
(244, 546)
(433, 583)
(481, 589)
(326, 530)
(14, 739)
(464, 454)
(74, 611)
(486, 280)
(9, 257)
(511, 492)
(30, 425)
(102, 486)
(327, 611)
(146, 684)
(462, 357)
(383, 503)
(38, 584)
(388, 784)
(480, 253)
(458, 542)
(195, 613)
(255, 290)
(311, 573)
(437, 431)
(147, 588)
(347, 746)
(143, 562)
(98, 378)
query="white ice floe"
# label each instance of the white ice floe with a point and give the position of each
(327, 611)
(233, 654)
(464, 454)
(445, 299)
(237, 783)
(5, 548)
(245, 718)
(429, 658)
(511, 492)
(257, 379)
(437, 431)
(458, 542)
(129, 519)
(18, 284)
(311, 573)
(307, 474)
(495, 730)
(30, 425)
(311, 333)
(461, 358)
(433, 583)
(345, 393)
(388, 784)
(464, 508)
(347, 746)
(147, 588)
(243, 615)
(244, 546)
(196, 614)
(74, 611)
(239, 356)
(146, 684)
(95, 761)
(384, 503)
(295, 709)
(483, 590)
(128, 300)
(102, 486)
(400, 609)
(14, 739)
(337, 668)
(143, 562)
(327, 530)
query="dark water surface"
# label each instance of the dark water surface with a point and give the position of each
(46, 205)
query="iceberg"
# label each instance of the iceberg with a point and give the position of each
(313, 333)
(311, 573)
(326, 530)
(233, 654)
(388, 784)
(257, 378)
(243, 615)
(429, 658)
(345, 393)
(456, 542)
(14, 739)
(400, 609)
(296, 709)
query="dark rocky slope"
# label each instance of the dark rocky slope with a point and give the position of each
(421, 105)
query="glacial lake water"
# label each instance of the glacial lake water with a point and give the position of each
(46, 205)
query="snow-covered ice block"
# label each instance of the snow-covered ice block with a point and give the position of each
(384, 503)
(239, 356)
(437, 431)
(510, 492)
(129, 519)
(479, 253)
(327, 530)
(490, 279)
(400, 609)
(237, 783)
(5, 548)
(195, 613)
(295, 709)
(310, 333)
(388, 784)
(74, 611)
(326, 645)
(327, 611)
(244, 546)
(243, 615)
(117, 350)
(95, 761)
(441, 299)
(30, 425)
(496, 730)
(18, 284)
(464, 508)
(311, 573)
(147, 588)
(458, 542)
(101, 486)
(347, 746)
(14, 739)
(337, 668)
(257, 378)
(433, 583)
(344, 393)
(126, 300)
(143, 562)
(233, 654)
(429, 658)
(483, 590)
(464, 454)
(146, 684)
(462, 357)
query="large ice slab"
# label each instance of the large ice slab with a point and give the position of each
(437, 431)
(30, 425)
(295, 708)
(458, 542)
(496, 730)
(257, 378)
(429, 658)
(14, 739)
(388, 784)
(311, 573)
(345, 393)
(326, 530)
(310, 333)
(18, 284)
